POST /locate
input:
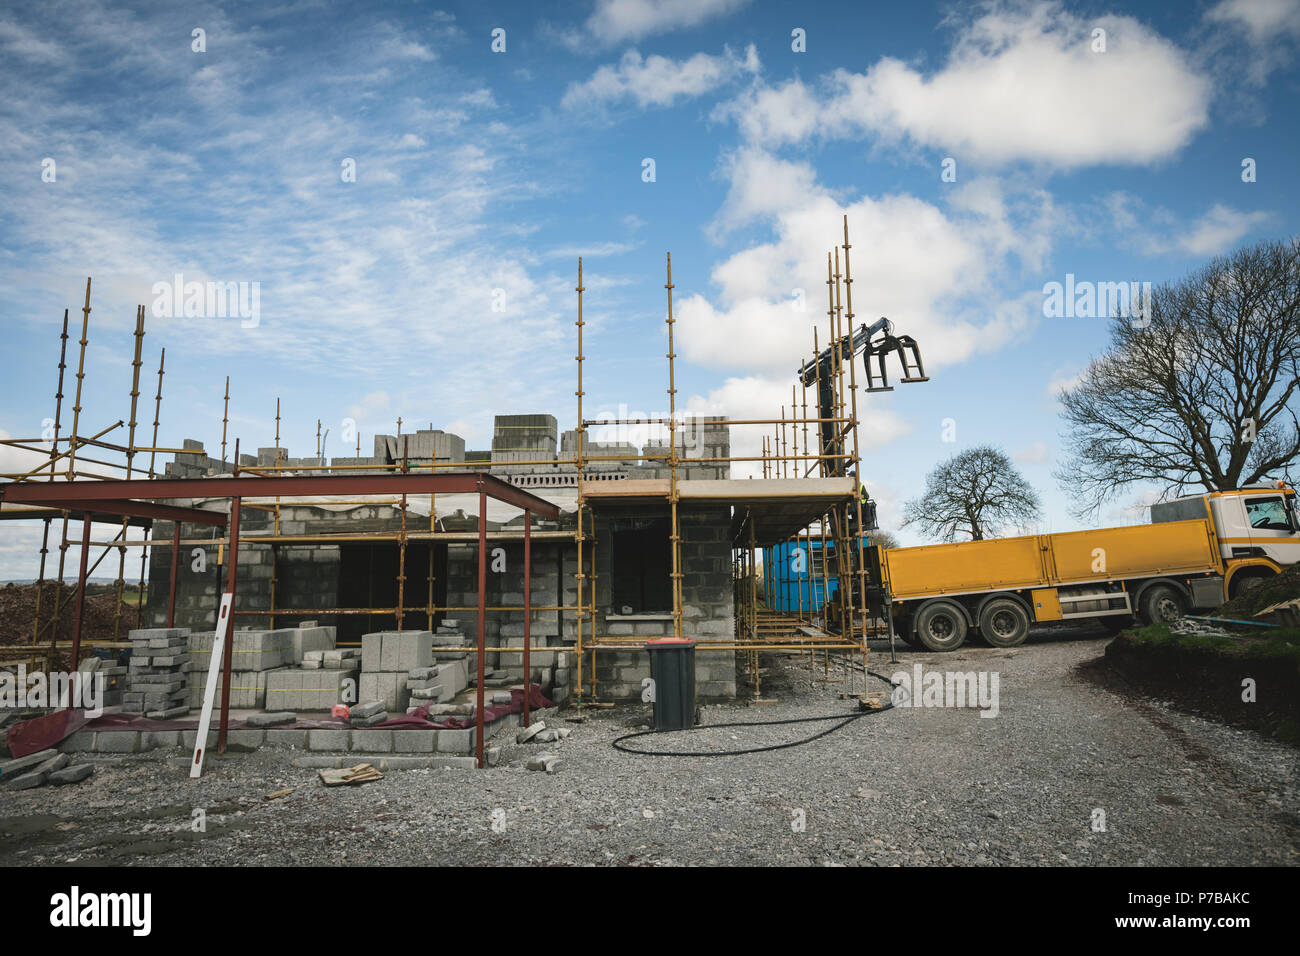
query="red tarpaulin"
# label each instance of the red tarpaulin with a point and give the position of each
(42, 733)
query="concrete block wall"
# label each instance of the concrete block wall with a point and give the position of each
(708, 608)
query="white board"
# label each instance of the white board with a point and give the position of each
(210, 692)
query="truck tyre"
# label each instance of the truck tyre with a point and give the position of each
(1163, 603)
(1004, 623)
(941, 626)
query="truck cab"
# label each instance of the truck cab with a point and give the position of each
(1258, 528)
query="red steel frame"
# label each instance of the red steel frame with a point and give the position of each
(137, 497)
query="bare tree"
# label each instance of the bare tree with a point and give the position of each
(883, 539)
(1199, 392)
(977, 493)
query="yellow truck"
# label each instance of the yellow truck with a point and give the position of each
(1197, 552)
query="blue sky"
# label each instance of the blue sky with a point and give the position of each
(481, 176)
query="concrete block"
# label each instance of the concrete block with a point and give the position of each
(245, 740)
(391, 652)
(414, 741)
(271, 719)
(304, 639)
(156, 739)
(328, 739)
(189, 736)
(117, 741)
(29, 780)
(456, 741)
(57, 762)
(73, 774)
(367, 709)
(372, 741)
(280, 737)
(171, 713)
(83, 741)
(19, 765)
(371, 651)
(547, 762)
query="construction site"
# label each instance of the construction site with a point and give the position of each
(507, 640)
(421, 599)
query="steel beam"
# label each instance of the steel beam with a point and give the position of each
(262, 487)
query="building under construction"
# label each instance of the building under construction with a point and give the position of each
(546, 544)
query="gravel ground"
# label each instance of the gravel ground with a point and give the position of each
(916, 786)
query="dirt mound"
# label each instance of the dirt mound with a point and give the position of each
(1282, 587)
(18, 610)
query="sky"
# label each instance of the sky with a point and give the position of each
(403, 190)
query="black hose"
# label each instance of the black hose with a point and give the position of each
(844, 722)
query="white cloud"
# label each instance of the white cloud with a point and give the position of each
(1260, 19)
(1159, 231)
(19, 41)
(618, 21)
(1219, 229)
(658, 80)
(931, 272)
(1022, 82)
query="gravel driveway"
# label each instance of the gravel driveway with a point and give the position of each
(915, 786)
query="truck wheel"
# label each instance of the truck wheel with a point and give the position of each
(941, 626)
(1004, 623)
(1162, 604)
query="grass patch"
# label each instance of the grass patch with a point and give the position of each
(1206, 674)
(1281, 643)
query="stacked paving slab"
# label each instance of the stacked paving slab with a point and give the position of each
(158, 673)
(253, 655)
(319, 675)
(395, 663)
(261, 662)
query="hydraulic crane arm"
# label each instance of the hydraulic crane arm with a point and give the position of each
(875, 341)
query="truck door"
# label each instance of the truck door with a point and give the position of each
(1272, 523)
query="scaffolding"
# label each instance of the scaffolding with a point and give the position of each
(809, 481)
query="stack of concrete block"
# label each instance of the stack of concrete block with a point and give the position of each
(561, 678)
(448, 636)
(438, 684)
(158, 673)
(387, 660)
(342, 658)
(308, 637)
(318, 688)
(368, 714)
(251, 650)
(253, 655)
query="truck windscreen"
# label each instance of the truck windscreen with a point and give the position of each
(1269, 514)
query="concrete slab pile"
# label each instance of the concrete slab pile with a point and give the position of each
(158, 673)
(387, 660)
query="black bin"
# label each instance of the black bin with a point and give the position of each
(672, 668)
